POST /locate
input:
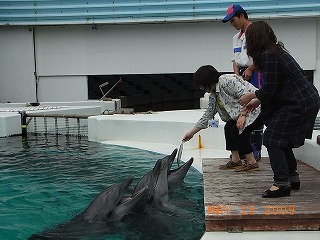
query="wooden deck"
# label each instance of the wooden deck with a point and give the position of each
(233, 200)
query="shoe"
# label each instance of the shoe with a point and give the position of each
(247, 167)
(231, 165)
(295, 185)
(283, 191)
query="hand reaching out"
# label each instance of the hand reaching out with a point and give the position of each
(187, 136)
(190, 134)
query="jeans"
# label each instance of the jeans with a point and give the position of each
(284, 165)
(256, 142)
(240, 142)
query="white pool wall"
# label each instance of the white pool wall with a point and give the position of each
(161, 132)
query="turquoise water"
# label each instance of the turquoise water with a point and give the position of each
(50, 179)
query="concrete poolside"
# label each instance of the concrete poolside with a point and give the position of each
(163, 131)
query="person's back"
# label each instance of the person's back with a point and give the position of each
(291, 82)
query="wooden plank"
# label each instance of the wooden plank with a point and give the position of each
(233, 200)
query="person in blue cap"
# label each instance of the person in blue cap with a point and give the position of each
(243, 64)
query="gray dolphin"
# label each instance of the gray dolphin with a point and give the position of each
(150, 180)
(125, 206)
(161, 197)
(159, 180)
(111, 205)
(108, 205)
(177, 175)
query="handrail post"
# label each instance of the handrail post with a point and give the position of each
(23, 123)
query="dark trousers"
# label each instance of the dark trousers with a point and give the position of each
(240, 142)
(284, 165)
(256, 138)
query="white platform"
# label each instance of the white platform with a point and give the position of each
(10, 119)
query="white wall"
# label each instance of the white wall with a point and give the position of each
(66, 55)
(63, 88)
(153, 48)
(17, 80)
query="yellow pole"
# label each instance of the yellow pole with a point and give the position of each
(200, 142)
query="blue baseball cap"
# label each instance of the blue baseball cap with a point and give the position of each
(231, 11)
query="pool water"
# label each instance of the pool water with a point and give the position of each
(48, 180)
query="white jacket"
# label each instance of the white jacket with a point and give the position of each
(229, 89)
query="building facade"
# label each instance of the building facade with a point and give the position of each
(50, 48)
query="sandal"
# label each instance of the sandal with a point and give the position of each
(248, 167)
(231, 165)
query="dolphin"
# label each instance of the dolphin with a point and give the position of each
(161, 198)
(108, 203)
(109, 206)
(157, 181)
(150, 180)
(126, 204)
(177, 175)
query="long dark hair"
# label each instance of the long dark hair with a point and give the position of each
(260, 37)
(206, 76)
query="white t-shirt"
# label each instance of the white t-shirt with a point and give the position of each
(240, 55)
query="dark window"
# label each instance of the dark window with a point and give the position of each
(156, 92)
(144, 92)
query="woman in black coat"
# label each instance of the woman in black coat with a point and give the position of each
(289, 105)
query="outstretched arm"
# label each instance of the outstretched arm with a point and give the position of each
(190, 134)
